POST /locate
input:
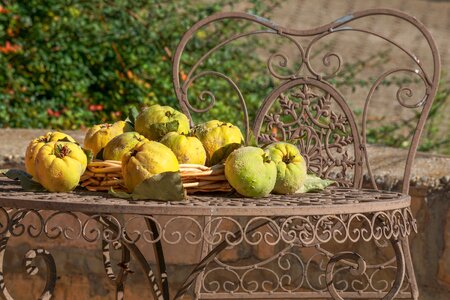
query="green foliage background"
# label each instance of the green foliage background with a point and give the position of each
(85, 62)
(69, 64)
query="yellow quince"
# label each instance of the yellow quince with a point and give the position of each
(187, 149)
(59, 166)
(35, 145)
(155, 121)
(99, 135)
(121, 144)
(219, 139)
(145, 160)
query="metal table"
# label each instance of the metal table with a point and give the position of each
(313, 236)
(337, 215)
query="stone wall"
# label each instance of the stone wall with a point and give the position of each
(81, 274)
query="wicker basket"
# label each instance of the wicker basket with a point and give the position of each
(103, 175)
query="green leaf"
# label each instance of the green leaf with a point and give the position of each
(89, 154)
(161, 129)
(314, 183)
(222, 153)
(100, 154)
(123, 195)
(66, 140)
(26, 180)
(252, 141)
(165, 186)
(131, 119)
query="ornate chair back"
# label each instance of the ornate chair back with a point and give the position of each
(306, 106)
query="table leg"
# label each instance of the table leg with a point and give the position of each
(3, 244)
(410, 268)
(360, 268)
(159, 255)
(30, 256)
(155, 284)
(118, 280)
(209, 257)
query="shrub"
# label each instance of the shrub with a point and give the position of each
(69, 64)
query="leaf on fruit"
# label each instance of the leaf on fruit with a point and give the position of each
(66, 140)
(131, 119)
(100, 154)
(89, 154)
(26, 180)
(252, 141)
(314, 183)
(160, 129)
(165, 186)
(222, 153)
(119, 194)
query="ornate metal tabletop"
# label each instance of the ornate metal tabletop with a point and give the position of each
(312, 237)
(220, 222)
(329, 201)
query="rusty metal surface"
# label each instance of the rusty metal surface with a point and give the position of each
(312, 234)
(330, 201)
(305, 107)
(290, 234)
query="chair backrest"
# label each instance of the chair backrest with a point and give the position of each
(306, 107)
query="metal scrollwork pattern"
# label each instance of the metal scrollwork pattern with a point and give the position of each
(323, 70)
(308, 234)
(299, 230)
(303, 274)
(220, 234)
(315, 118)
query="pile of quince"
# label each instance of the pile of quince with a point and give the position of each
(157, 140)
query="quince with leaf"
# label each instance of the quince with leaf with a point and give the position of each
(145, 160)
(156, 121)
(219, 139)
(291, 167)
(187, 149)
(121, 144)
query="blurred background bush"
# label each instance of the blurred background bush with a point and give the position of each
(71, 64)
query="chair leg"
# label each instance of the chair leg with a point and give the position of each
(205, 250)
(410, 269)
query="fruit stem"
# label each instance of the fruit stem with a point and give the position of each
(169, 114)
(266, 158)
(106, 125)
(62, 150)
(288, 159)
(134, 152)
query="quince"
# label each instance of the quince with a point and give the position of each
(251, 172)
(121, 144)
(187, 149)
(291, 167)
(156, 121)
(219, 139)
(99, 135)
(145, 160)
(37, 143)
(59, 166)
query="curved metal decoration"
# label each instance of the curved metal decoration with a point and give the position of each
(304, 108)
(29, 260)
(333, 62)
(327, 138)
(220, 233)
